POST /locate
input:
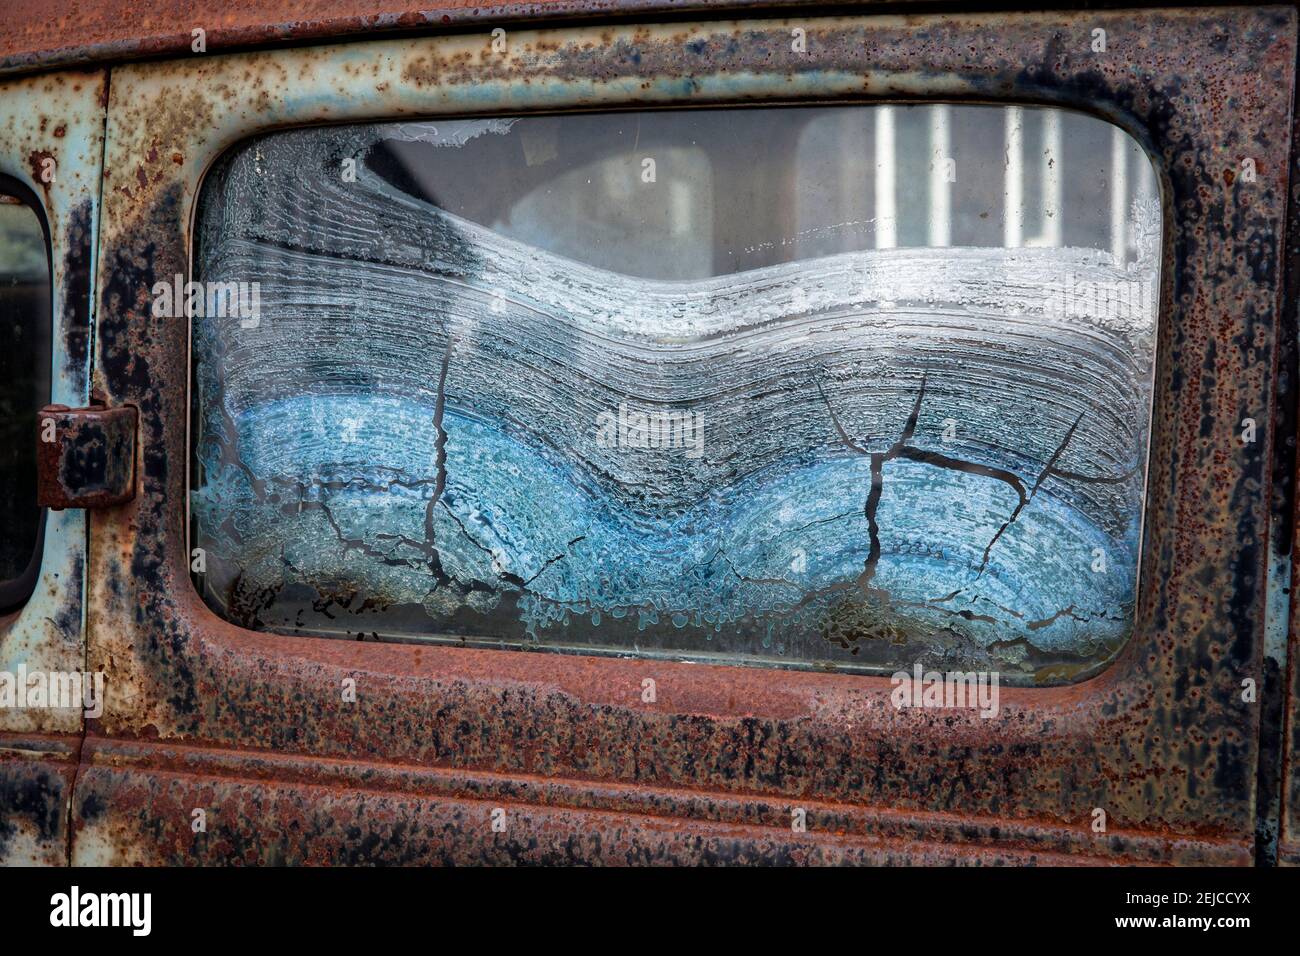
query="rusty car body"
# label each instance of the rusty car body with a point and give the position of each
(200, 713)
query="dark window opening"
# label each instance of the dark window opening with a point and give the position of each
(25, 333)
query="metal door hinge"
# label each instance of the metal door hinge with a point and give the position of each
(85, 457)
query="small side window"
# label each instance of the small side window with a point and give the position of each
(24, 386)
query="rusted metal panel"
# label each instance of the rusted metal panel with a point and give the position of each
(135, 802)
(85, 457)
(1163, 741)
(1288, 838)
(290, 823)
(36, 779)
(62, 33)
(1288, 847)
(51, 140)
(1278, 799)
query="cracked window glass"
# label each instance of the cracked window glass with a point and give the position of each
(24, 389)
(849, 388)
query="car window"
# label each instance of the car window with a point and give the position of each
(850, 387)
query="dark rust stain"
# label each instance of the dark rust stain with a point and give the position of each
(78, 263)
(36, 162)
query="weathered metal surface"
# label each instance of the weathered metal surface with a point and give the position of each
(40, 36)
(1288, 844)
(1277, 791)
(135, 803)
(1162, 741)
(36, 779)
(85, 457)
(1288, 784)
(52, 128)
(290, 823)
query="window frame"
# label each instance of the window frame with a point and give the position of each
(1162, 740)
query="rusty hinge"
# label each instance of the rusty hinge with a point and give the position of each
(85, 457)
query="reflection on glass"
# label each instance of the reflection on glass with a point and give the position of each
(848, 387)
(24, 389)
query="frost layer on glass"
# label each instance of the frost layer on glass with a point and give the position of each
(795, 387)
